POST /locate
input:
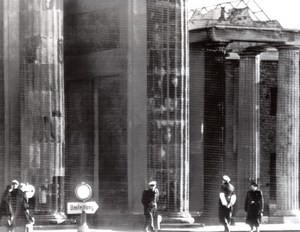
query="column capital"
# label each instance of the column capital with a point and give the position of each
(287, 47)
(216, 46)
(251, 51)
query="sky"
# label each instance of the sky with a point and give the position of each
(286, 12)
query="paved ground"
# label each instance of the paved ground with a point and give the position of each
(239, 227)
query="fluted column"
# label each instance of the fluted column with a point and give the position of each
(168, 106)
(248, 146)
(214, 125)
(287, 132)
(42, 104)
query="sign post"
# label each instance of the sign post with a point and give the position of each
(83, 192)
(90, 207)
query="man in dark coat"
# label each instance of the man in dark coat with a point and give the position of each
(254, 204)
(21, 217)
(227, 199)
(5, 207)
(149, 200)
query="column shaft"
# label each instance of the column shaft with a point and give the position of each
(10, 66)
(168, 97)
(42, 111)
(248, 123)
(137, 102)
(287, 134)
(214, 124)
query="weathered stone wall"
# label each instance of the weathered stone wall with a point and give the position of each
(268, 101)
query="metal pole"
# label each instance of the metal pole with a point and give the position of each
(83, 225)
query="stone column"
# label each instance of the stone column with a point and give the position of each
(248, 146)
(214, 157)
(168, 106)
(10, 85)
(42, 103)
(137, 102)
(287, 132)
(196, 128)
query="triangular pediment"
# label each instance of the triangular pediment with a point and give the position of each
(228, 14)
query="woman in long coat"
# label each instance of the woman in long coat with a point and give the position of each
(254, 205)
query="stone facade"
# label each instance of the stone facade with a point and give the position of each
(260, 111)
(96, 92)
(104, 96)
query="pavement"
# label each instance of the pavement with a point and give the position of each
(238, 227)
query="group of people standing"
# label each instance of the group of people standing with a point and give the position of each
(14, 208)
(254, 204)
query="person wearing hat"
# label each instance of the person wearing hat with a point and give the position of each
(227, 199)
(149, 200)
(5, 207)
(254, 205)
(20, 208)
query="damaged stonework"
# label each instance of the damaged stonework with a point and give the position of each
(223, 15)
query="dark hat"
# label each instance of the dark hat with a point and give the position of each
(252, 182)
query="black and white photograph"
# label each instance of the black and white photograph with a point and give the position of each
(150, 116)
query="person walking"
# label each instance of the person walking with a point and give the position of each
(254, 205)
(227, 199)
(150, 198)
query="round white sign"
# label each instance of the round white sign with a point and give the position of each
(29, 190)
(83, 191)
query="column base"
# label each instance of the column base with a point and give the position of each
(51, 218)
(177, 217)
(285, 216)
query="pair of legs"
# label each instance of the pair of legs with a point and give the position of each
(225, 217)
(256, 228)
(151, 221)
(253, 221)
(225, 214)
